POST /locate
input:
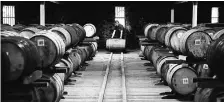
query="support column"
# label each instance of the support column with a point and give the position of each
(172, 15)
(194, 14)
(42, 13)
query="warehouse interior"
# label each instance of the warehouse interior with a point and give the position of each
(65, 51)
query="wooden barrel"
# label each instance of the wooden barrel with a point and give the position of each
(65, 35)
(218, 34)
(141, 54)
(21, 56)
(88, 49)
(164, 70)
(115, 44)
(82, 53)
(9, 33)
(214, 56)
(54, 91)
(66, 62)
(161, 62)
(148, 52)
(19, 27)
(150, 31)
(50, 46)
(90, 29)
(74, 56)
(155, 56)
(174, 30)
(29, 32)
(194, 43)
(6, 27)
(208, 30)
(76, 60)
(160, 33)
(173, 39)
(208, 94)
(180, 79)
(94, 46)
(80, 31)
(203, 71)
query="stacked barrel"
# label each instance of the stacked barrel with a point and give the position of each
(37, 62)
(167, 44)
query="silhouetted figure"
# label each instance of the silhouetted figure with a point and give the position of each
(118, 31)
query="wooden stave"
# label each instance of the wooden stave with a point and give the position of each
(65, 33)
(148, 52)
(76, 61)
(68, 63)
(146, 27)
(82, 33)
(85, 50)
(169, 33)
(155, 56)
(162, 61)
(161, 37)
(94, 46)
(151, 34)
(175, 39)
(208, 30)
(75, 39)
(170, 74)
(9, 33)
(27, 49)
(30, 31)
(218, 34)
(183, 40)
(55, 88)
(82, 54)
(90, 47)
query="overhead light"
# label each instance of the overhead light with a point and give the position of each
(57, 2)
(179, 2)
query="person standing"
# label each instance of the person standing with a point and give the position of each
(118, 31)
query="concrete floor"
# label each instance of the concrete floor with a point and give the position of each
(140, 81)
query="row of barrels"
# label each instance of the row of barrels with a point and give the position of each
(213, 55)
(52, 43)
(214, 70)
(72, 61)
(182, 40)
(179, 77)
(29, 31)
(42, 50)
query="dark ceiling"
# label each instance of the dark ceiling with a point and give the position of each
(96, 11)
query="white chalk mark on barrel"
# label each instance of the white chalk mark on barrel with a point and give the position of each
(185, 81)
(40, 42)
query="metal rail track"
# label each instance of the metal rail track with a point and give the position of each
(105, 80)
